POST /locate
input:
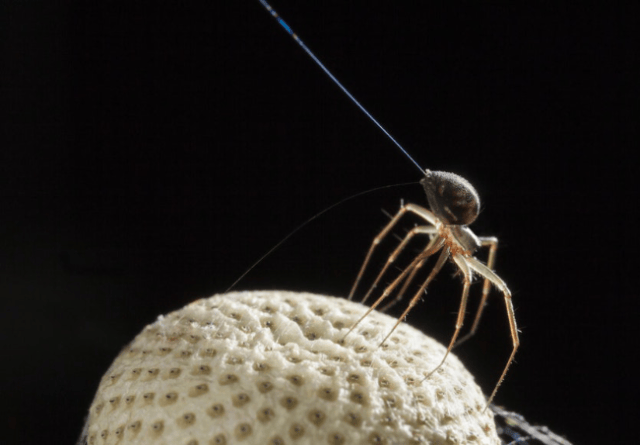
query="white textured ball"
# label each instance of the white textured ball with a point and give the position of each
(274, 368)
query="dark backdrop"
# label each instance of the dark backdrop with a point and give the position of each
(151, 152)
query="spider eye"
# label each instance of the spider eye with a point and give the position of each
(451, 197)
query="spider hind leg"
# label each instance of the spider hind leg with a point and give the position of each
(421, 212)
(418, 261)
(441, 260)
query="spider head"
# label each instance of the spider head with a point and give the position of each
(451, 198)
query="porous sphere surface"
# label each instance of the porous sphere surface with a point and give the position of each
(275, 368)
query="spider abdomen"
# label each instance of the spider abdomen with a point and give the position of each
(451, 197)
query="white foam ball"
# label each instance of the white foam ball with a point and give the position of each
(274, 368)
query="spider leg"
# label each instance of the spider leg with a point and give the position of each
(492, 242)
(404, 287)
(461, 262)
(430, 250)
(409, 279)
(429, 230)
(441, 260)
(419, 211)
(487, 273)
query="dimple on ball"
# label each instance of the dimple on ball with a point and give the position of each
(274, 368)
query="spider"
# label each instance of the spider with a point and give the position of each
(454, 205)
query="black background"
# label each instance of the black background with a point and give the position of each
(151, 152)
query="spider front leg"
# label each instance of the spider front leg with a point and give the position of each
(492, 243)
(419, 211)
(467, 275)
(487, 273)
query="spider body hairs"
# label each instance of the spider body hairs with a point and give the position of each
(454, 204)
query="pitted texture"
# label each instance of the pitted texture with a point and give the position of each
(274, 368)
